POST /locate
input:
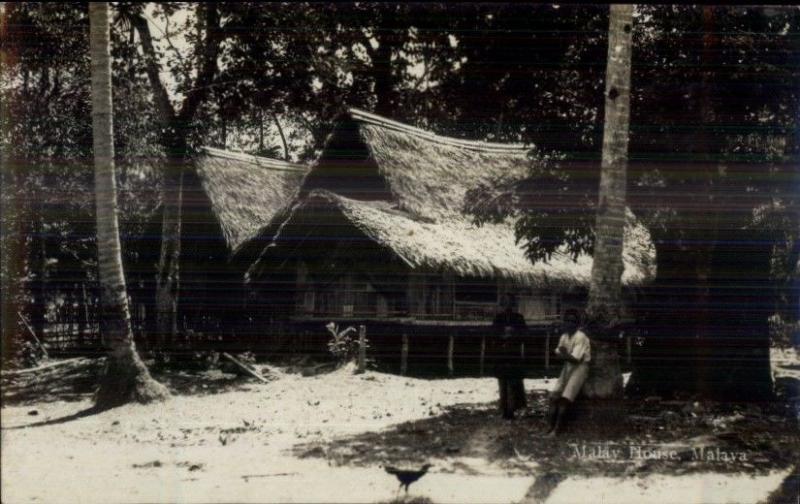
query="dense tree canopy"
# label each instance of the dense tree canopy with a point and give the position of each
(713, 129)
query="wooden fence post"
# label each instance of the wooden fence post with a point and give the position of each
(483, 352)
(362, 349)
(404, 355)
(450, 345)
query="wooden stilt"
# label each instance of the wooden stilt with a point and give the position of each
(404, 356)
(86, 324)
(547, 351)
(450, 345)
(483, 353)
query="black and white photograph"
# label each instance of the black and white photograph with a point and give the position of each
(399, 253)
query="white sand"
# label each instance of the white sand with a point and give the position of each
(705, 488)
(92, 459)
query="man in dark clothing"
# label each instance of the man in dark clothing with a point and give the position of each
(508, 334)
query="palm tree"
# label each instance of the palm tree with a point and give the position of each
(125, 378)
(605, 290)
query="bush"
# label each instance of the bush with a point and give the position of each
(343, 344)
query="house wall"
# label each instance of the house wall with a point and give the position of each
(355, 293)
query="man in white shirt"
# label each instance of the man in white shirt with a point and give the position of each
(574, 348)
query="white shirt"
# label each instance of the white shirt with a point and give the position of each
(577, 345)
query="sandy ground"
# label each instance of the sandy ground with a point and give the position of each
(708, 488)
(236, 446)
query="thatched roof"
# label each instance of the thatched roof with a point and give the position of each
(246, 192)
(430, 174)
(420, 217)
(485, 251)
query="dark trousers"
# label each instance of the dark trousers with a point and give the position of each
(512, 395)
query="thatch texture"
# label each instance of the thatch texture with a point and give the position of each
(430, 174)
(423, 222)
(485, 251)
(246, 192)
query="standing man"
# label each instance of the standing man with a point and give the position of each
(508, 334)
(575, 349)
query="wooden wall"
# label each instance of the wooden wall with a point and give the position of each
(354, 293)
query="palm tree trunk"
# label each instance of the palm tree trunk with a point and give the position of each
(605, 290)
(126, 378)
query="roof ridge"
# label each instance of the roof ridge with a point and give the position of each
(263, 162)
(479, 145)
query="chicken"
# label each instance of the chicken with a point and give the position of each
(407, 476)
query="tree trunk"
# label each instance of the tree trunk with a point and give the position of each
(283, 138)
(666, 363)
(382, 69)
(176, 126)
(126, 378)
(700, 337)
(605, 290)
(168, 277)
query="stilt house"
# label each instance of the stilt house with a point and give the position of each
(378, 236)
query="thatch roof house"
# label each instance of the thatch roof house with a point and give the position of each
(378, 235)
(383, 207)
(229, 202)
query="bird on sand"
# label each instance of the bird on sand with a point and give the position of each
(407, 476)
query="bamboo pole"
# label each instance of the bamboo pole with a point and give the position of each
(45, 367)
(35, 338)
(245, 367)
(404, 355)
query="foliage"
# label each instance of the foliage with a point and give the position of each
(343, 345)
(751, 121)
(48, 211)
(713, 131)
(723, 159)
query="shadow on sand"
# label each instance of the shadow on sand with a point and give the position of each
(766, 432)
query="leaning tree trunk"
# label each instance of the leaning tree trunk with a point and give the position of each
(605, 290)
(168, 278)
(125, 378)
(176, 126)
